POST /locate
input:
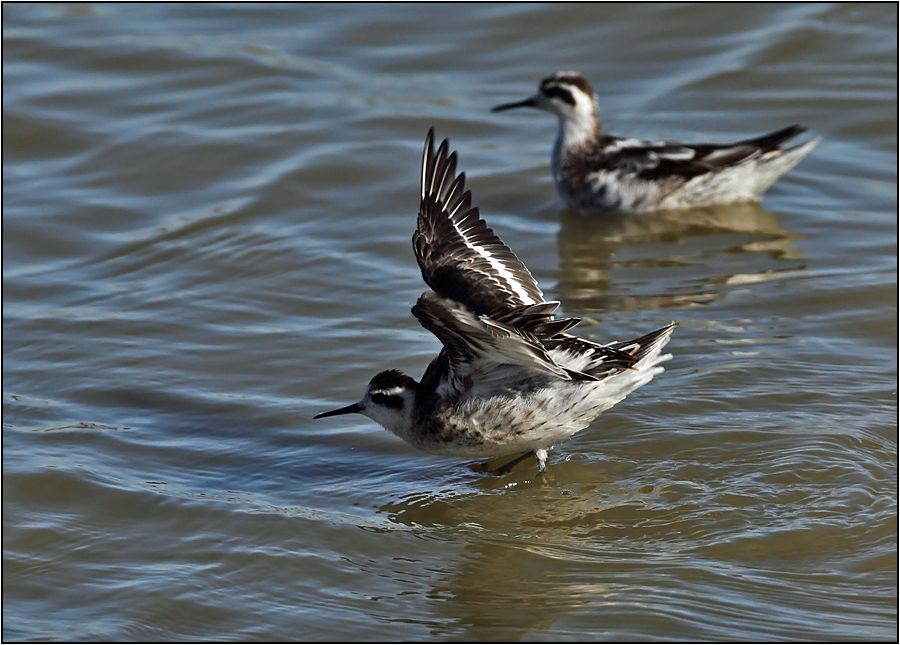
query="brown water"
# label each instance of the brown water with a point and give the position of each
(206, 224)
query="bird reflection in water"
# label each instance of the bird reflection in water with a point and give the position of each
(669, 259)
(533, 550)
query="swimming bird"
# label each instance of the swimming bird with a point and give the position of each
(508, 380)
(597, 172)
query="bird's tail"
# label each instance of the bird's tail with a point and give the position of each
(648, 352)
(772, 140)
(771, 168)
(646, 349)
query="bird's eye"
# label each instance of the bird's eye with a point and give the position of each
(557, 92)
(387, 400)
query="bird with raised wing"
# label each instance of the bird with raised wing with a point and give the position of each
(596, 172)
(509, 380)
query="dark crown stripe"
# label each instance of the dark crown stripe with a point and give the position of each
(568, 78)
(390, 379)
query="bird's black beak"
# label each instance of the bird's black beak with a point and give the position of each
(350, 409)
(529, 102)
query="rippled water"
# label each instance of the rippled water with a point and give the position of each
(206, 223)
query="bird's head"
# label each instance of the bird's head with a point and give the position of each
(388, 401)
(570, 97)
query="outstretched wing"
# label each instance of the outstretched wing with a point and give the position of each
(662, 160)
(486, 308)
(475, 343)
(460, 257)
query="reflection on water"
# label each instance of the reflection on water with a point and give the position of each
(630, 545)
(510, 580)
(531, 544)
(672, 252)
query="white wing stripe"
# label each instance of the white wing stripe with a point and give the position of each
(501, 270)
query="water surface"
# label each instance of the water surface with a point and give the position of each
(206, 225)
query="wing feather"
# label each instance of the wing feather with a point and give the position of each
(459, 255)
(658, 160)
(486, 308)
(476, 343)
(590, 358)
